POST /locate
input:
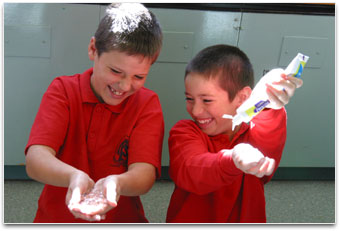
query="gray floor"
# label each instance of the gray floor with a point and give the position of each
(287, 201)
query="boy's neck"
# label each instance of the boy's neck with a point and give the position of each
(95, 93)
(231, 133)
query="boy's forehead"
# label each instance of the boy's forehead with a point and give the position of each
(207, 83)
(126, 61)
(211, 77)
(126, 53)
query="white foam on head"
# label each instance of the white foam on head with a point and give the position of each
(127, 17)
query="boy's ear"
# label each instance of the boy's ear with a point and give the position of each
(92, 50)
(243, 95)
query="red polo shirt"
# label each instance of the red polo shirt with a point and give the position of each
(98, 139)
(208, 186)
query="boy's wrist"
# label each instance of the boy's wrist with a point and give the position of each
(269, 113)
(227, 163)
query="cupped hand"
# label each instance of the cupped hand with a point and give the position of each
(80, 184)
(251, 161)
(96, 203)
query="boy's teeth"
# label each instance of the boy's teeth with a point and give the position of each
(204, 121)
(116, 92)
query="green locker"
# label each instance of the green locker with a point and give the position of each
(45, 40)
(272, 40)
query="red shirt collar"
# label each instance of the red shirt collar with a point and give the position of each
(244, 127)
(88, 95)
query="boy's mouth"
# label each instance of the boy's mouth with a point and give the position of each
(203, 122)
(116, 94)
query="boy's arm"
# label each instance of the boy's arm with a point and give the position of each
(268, 132)
(193, 167)
(137, 181)
(43, 166)
(269, 128)
(47, 135)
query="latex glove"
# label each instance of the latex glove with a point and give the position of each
(251, 161)
(279, 98)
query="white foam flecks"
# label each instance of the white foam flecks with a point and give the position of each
(127, 17)
(226, 116)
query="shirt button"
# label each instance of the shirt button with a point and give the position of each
(92, 135)
(98, 109)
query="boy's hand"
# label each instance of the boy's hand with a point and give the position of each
(251, 161)
(80, 183)
(95, 204)
(110, 189)
(279, 98)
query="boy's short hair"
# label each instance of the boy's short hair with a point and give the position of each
(228, 63)
(130, 28)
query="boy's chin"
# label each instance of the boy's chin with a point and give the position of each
(211, 132)
(114, 102)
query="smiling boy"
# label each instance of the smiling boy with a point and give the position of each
(101, 129)
(218, 172)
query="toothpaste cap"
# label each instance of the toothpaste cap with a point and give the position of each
(226, 116)
(238, 119)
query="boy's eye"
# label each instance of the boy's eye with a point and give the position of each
(139, 77)
(115, 71)
(188, 99)
(207, 100)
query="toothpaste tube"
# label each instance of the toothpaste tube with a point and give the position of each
(258, 99)
(297, 65)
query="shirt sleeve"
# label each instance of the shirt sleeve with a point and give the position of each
(268, 132)
(50, 124)
(146, 140)
(192, 166)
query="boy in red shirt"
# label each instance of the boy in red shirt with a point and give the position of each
(97, 138)
(219, 173)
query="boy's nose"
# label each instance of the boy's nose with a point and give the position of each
(125, 83)
(197, 109)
